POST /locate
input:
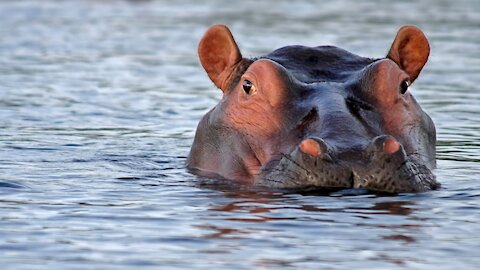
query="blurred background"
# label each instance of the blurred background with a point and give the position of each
(99, 102)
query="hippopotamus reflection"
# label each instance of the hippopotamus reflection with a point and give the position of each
(316, 117)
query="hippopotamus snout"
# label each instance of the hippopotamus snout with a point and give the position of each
(390, 169)
(382, 165)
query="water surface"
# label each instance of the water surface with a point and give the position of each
(99, 102)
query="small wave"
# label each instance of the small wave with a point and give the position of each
(5, 184)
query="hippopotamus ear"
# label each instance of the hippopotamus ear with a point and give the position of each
(219, 54)
(410, 50)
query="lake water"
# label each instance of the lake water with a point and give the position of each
(99, 101)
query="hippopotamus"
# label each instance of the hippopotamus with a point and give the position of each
(316, 117)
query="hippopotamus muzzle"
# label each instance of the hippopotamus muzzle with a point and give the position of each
(385, 167)
(316, 117)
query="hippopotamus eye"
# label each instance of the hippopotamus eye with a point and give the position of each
(404, 86)
(248, 87)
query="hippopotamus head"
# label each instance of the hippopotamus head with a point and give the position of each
(316, 117)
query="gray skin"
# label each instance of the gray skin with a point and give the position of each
(364, 129)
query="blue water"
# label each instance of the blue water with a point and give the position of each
(99, 102)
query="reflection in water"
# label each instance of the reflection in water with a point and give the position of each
(389, 208)
(400, 237)
(259, 207)
(257, 213)
(221, 232)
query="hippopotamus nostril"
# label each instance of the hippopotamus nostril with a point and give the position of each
(310, 147)
(315, 147)
(385, 144)
(390, 146)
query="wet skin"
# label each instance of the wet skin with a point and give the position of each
(316, 117)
